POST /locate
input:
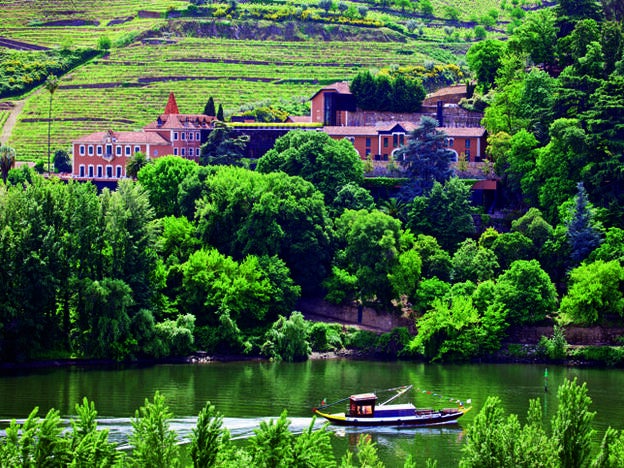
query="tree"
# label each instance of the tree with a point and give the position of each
(444, 214)
(353, 197)
(325, 5)
(7, 161)
(538, 37)
(162, 180)
(369, 248)
(62, 161)
(473, 263)
(287, 339)
(209, 108)
(494, 440)
(594, 291)
(571, 425)
(583, 234)
(209, 437)
(605, 122)
(222, 147)
(436, 262)
(152, 439)
(484, 59)
(512, 246)
(426, 157)
(220, 116)
(51, 84)
(137, 162)
(244, 212)
(316, 157)
(526, 292)
(426, 7)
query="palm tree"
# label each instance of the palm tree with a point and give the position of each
(51, 84)
(395, 208)
(7, 161)
(135, 164)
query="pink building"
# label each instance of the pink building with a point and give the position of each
(103, 155)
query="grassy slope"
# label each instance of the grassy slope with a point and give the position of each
(129, 87)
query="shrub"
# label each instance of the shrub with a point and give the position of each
(326, 336)
(287, 339)
(554, 347)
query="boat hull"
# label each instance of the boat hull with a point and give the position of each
(445, 417)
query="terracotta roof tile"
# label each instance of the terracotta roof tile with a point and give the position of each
(130, 138)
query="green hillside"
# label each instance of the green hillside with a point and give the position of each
(243, 54)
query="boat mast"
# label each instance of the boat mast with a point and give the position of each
(401, 391)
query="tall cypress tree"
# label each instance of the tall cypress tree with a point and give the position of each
(220, 114)
(209, 109)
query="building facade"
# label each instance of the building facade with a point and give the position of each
(104, 155)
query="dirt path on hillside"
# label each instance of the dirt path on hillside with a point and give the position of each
(7, 128)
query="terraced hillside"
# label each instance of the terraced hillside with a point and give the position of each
(241, 54)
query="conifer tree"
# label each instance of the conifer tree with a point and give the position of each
(209, 108)
(582, 233)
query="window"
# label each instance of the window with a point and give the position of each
(183, 152)
(118, 170)
(368, 142)
(191, 136)
(467, 153)
(137, 149)
(99, 171)
(90, 170)
(467, 143)
(175, 136)
(385, 142)
(175, 151)
(81, 171)
(401, 139)
(450, 141)
(127, 151)
(90, 150)
(395, 140)
(82, 150)
(155, 152)
(99, 150)
(183, 135)
(197, 136)
(191, 152)
(109, 171)
(118, 150)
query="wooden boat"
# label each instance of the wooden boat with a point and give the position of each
(363, 410)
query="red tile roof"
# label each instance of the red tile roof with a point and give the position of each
(130, 138)
(465, 132)
(181, 121)
(341, 87)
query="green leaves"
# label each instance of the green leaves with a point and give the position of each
(152, 439)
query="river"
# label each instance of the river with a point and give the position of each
(249, 392)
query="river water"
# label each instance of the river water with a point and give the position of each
(249, 392)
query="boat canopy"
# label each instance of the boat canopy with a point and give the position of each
(362, 404)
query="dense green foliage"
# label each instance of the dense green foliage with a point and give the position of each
(20, 71)
(215, 257)
(381, 93)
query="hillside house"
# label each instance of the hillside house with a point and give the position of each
(380, 142)
(103, 155)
